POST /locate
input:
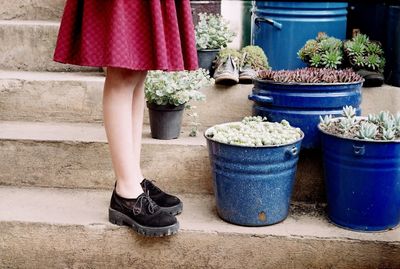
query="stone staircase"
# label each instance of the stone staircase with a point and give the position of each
(56, 175)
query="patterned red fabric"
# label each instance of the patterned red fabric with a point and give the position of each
(133, 34)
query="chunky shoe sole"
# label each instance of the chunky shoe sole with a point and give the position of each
(173, 210)
(121, 219)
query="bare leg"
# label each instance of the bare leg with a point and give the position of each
(138, 102)
(119, 122)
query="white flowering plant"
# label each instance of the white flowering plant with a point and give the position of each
(255, 131)
(176, 88)
(212, 32)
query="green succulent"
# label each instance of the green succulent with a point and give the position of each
(361, 39)
(309, 49)
(359, 61)
(373, 61)
(374, 48)
(326, 120)
(381, 126)
(316, 60)
(255, 57)
(388, 134)
(332, 58)
(363, 53)
(323, 51)
(349, 112)
(368, 130)
(354, 48)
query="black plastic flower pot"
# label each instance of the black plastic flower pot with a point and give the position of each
(165, 121)
(206, 58)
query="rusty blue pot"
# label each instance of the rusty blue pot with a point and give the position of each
(253, 185)
(362, 181)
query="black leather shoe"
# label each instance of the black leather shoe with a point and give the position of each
(167, 203)
(142, 214)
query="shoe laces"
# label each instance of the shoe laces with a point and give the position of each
(141, 202)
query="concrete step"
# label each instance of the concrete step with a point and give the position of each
(77, 156)
(29, 46)
(61, 228)
(31, 9)
(77, 97)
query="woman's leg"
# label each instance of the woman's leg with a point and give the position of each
(138, 102)
(121, 88)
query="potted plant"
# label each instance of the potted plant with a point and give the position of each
(301, 96)
(253, 166)
(167, 95)
(362, 172)
(322, 52)
(212, 34)
(367, 58)
(360, 53)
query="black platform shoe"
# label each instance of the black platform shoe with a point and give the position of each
(142, 214)
(168, 203)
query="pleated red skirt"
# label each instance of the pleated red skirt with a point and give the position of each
(133, 34)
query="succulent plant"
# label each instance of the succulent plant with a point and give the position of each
(349, 112)
(326, 120)
(254, 56)
(362, 53)
(310, 75)
(212, 32)
(368, 130)
(323, 51)
(381, 126)
(255, 131)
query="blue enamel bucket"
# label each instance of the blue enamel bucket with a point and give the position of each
(362, 181)
(282, 28)
(253, 185)
(302, 103)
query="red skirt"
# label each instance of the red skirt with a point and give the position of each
(133, 34)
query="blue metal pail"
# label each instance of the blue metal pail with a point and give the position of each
(362, 182)
(282, 28)
(302, 103)
(253, 185)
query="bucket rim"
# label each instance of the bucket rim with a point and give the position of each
(250, 147)
(355, 139)
(265, 81)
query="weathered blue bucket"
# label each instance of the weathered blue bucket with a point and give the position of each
(282, 28)
(253, 185)
(302, 103)
(362, 182)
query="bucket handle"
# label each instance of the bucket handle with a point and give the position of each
(275, 24)
(358, 150)
(260, 98)
(293, 152)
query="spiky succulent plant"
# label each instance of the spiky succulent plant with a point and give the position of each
(362, 53)
(310, 75)
(323, 51)
(381, 126)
